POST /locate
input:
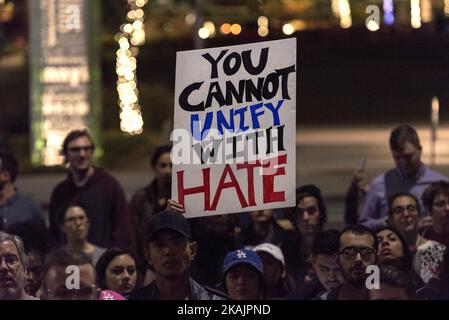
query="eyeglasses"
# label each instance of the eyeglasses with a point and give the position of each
(350, 253)
(78, 149)
(11, 260)
(412, 209)
(75, 219)
(83, 293)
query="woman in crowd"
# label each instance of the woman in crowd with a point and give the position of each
(436, 201)
(75, 226)
(243, 277)
(278, 283)
(117, 271)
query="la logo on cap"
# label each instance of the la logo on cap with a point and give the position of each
(241, 254)
(110, 295)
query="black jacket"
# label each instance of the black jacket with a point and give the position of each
(197, 292)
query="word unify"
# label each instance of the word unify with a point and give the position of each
(235, 120)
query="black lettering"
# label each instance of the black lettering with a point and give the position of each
(231, 92)
(217, 95)
(214, 62)
(227, 68)
(184, 98)
(272, 78)
(247, 62)
(252, 90)
(283, 73)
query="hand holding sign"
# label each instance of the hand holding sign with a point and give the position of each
(175, 206)
(235, 129)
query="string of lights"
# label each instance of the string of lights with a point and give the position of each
(131, 36)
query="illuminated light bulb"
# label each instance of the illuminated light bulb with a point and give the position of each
(236, 29)
(262, 21)
(372, 26)
(262, 31)
(131, 15)
(190, 18)
(288, 29)
(137, 25)
(225, 28)
(139, 13)
(209, 25)
(128, 28)
(203, 33)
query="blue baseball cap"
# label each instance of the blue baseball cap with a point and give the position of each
(242, 256)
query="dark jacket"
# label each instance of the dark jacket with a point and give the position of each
(144, 204)
(105, 204)
(307, 291)
(21, 210)
(197, 292)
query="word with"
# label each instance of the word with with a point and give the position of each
(226, 149)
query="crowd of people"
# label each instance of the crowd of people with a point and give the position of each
(146, 249)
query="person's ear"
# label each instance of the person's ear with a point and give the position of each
(193, 250)
(147, 253)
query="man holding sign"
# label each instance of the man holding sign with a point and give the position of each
(235, 129)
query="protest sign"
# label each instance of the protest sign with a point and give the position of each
(235, 128)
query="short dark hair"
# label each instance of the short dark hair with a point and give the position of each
(310, 190)
(61, 216)
(394, 277)
(402, 194)
(9, 163)
(326, 242)
(402, 134)
(106, 259)
(158, 152)
(359, 229)
(73, 135)
(436, 188)
(61, 257)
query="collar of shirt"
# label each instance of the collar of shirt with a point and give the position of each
(419, 174)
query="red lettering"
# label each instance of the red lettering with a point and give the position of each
(269, 195)
(225, 185)
(250, 178)
(205, 188)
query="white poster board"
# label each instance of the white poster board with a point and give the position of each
(234, 147)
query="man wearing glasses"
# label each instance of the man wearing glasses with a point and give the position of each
(97, 191)
(55, 277)
(358, 250)
(13, 268)
(410, 175)
(404, 212)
